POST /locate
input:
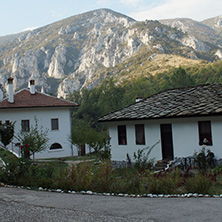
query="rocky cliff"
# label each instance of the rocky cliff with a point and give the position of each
(73, 53)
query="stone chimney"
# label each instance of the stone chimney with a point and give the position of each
(138, 99)
(10, 90)
(32, 86)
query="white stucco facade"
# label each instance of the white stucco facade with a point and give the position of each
(185, 137)
(44, 116)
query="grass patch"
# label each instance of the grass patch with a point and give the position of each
(217, 186)
(7, 156)
(71, 158)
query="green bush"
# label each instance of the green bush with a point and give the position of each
(77, 177)
(198, 184)
(102, 177)
(204, 159)
(22, 172)
(142, 161)
(14, 172)
(163, 182)
(162, 186)
(65, 179)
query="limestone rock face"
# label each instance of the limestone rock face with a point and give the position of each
(208, 30)
(219, 53)
(196, 44)
(27, 66)
(58, 62)
(71, 54)
(219, 22)
(70, 84)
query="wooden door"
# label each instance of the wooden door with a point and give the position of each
(167, 141)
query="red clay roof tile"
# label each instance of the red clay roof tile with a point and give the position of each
(24, 99)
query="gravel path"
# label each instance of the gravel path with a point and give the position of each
(20, 212)
(29, 206)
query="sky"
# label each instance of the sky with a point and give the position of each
(21, 15)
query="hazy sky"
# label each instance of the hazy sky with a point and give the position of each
(20, 15)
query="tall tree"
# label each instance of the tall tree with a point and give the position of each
(7, 133)
(180, 78)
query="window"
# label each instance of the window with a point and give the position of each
(55, 146)
(122, 135)
(140, 136)
(54, 124)
(205, 133)
(25, 126)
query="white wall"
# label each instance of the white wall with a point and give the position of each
(185, 137)
(44, 117)
(152, 136)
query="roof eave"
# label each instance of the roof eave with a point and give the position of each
(162, 117)
(39, 107)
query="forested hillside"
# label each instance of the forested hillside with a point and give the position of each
(110, 96)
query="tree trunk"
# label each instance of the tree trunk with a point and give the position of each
(83, 149)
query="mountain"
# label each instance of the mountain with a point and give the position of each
(198, 30)
(10, 38)
(215, 23)
(80, 51)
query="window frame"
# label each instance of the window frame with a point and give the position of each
(205, 132)
(56, 146)
(140, 131)
(25, 125)
(53, 128)
(122, 134)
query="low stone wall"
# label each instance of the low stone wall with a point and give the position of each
(121, 164)
(182, 162)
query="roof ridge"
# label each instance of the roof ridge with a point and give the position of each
(173, 103)
(45, 94)
(25, 99)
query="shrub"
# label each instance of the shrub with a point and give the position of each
(162, 186)
(102, 177)
(163, 182)
(14, 172)
(77, 177)
(105, 152)
(66, 179)
(142, 161)
(198, 184)
(7, 133)
(204, 159)
(35, 140)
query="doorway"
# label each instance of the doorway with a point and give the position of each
(167, 141)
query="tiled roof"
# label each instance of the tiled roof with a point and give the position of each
(202, 100)
(24, 99)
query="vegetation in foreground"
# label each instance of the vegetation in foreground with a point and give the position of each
(103, 177)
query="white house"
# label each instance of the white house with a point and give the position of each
(52, 113)
(180, 119)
